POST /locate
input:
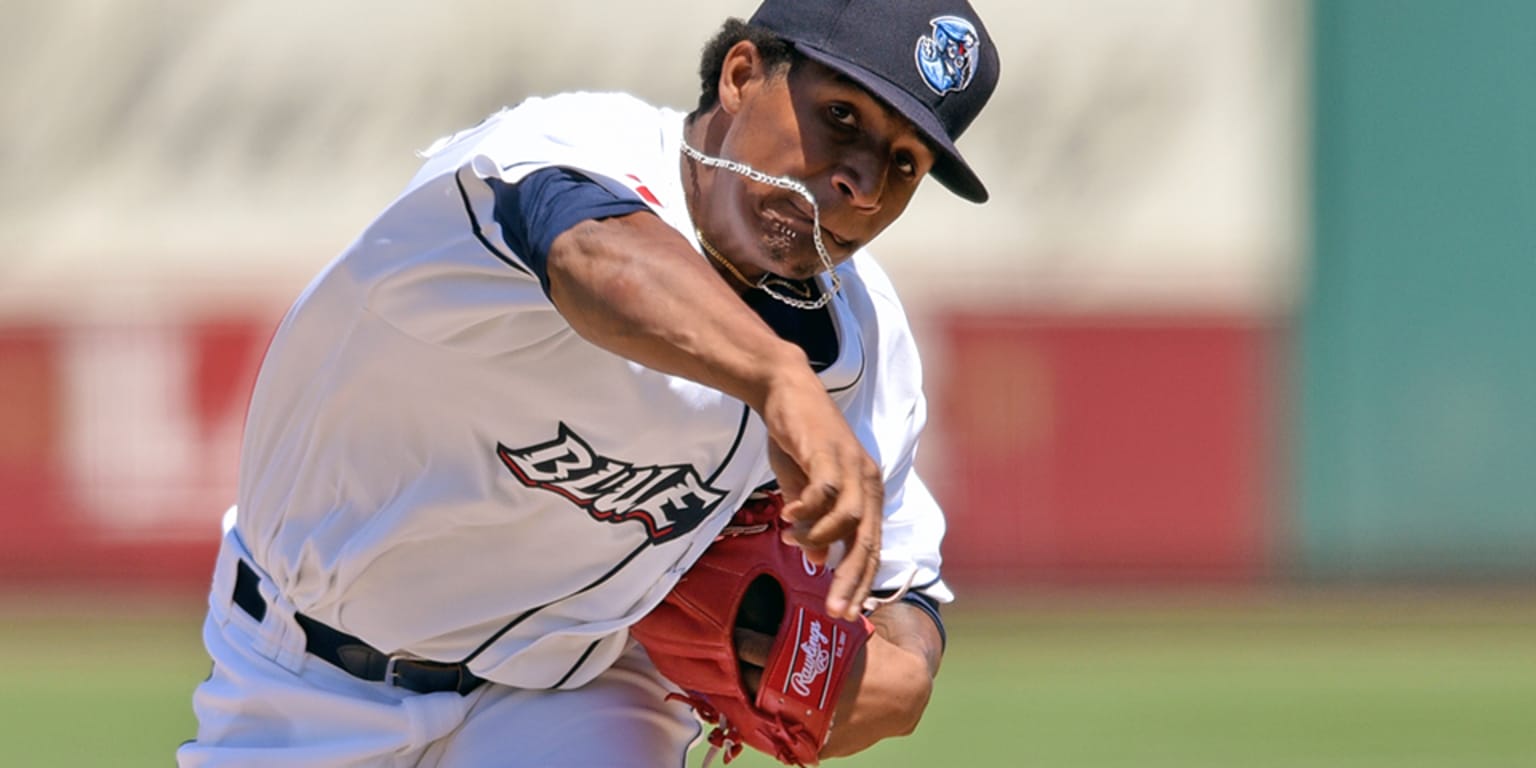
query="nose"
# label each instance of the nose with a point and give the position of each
(860, 180)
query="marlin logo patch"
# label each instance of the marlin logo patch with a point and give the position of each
(947, 58)
(668, 500)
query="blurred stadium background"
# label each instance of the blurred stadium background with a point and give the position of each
(1231, 383)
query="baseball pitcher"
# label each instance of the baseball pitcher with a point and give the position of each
(605, 427)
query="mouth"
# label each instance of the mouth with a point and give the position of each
(786, 222)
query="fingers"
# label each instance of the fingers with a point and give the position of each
(787, 471)
(833, 490)
(855, 575)
(752, 649)
(850, 524)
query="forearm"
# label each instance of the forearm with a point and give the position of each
(889, 687)
(634, 287)
(911, 629)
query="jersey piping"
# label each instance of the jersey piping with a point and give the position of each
(474, 223)
(741, 430)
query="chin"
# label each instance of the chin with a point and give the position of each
(798, 266)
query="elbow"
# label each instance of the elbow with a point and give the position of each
(918, 704)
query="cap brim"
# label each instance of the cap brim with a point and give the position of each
(949, 168)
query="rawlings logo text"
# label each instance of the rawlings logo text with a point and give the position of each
(668, 500)
(817, 651)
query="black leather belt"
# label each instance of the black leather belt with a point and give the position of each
(355, 657)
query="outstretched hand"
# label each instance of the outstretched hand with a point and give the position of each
(833, 492)
(622, 282)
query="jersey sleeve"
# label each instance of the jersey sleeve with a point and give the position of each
(549, 201)
(898, 412)
(909, 549)
(457, 260)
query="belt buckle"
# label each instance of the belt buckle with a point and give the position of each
(391, 668)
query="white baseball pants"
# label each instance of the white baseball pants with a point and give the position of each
(268, 703)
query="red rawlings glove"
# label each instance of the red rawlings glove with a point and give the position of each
(749, 577)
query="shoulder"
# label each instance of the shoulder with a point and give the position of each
(590, 122)
(583, 112)
(583, 129)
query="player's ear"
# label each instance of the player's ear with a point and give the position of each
(742, 66)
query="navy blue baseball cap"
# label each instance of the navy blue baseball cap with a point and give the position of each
(930, 60)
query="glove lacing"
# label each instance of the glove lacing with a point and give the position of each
(723, 738)
(726, 739)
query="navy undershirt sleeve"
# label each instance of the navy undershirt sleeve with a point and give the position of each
(929, 606)
(547, 202)
(924, 603)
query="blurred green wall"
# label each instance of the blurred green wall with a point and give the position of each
(1416, 452)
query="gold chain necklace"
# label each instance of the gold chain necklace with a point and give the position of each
(722, 261)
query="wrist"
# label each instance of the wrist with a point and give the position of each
(780, 371)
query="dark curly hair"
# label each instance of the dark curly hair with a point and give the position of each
(777, 53)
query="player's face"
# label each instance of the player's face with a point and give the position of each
(861, 161)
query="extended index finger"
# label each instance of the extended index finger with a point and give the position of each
(855, 575)
(852, 522)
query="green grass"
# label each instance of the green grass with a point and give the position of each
(1334, 681)
(113, 689)
(1253, 686)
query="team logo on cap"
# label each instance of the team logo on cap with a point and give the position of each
(947, 59)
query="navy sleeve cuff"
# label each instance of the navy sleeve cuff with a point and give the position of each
(546, 203)
(927, 605)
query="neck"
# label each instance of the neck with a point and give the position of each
(738, 281)
(704, 131)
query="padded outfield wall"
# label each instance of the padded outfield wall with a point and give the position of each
(1417, 345)
(1119, 394)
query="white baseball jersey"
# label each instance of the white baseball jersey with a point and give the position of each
(436, 462)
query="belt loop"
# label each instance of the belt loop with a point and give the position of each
(277, 635)
(287, 637)
(268, 640)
